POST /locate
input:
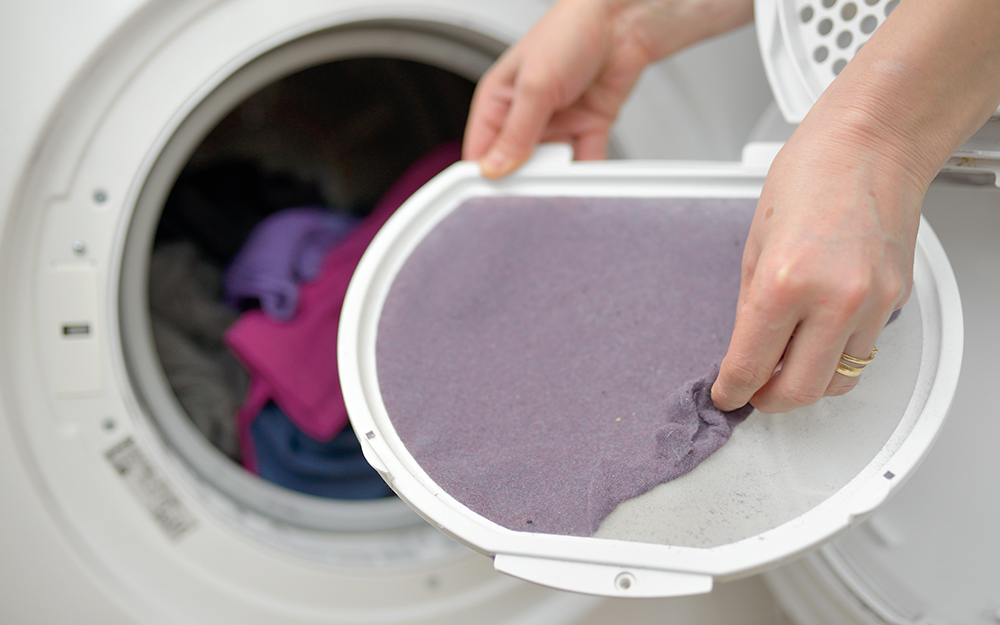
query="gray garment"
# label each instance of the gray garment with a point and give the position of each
(189, 319)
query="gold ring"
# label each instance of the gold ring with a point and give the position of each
(851, 360)
(849, 370)
(852, 367)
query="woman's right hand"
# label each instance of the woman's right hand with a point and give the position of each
(567, 78)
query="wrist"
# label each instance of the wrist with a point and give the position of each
(663, 27)
(870, 133)
(924, 83)
(851, 159)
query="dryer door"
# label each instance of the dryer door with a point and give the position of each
(929, 554)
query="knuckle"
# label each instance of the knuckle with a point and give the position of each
(787, 282)
(788, 279)
(837, 391)
(845, 292)
(897, 291)
(848, 294)
(853, 291)
(906, 291)
(894, 282)
(743, 375)
(798, 396)
(540, 88)
(841, 387)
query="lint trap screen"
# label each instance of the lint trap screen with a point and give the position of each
(547, 361)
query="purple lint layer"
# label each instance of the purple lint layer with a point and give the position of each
(545, 359)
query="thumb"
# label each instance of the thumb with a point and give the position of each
(722, 398)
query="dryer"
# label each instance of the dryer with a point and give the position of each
(116, 509)
(929, 554)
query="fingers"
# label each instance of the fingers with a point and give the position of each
(490, 104)
(516, 98)
(515, 119)
(829, 306)
(510, 112)
(757, 347)
(778, 365)
(806, 371)
(859, 346)
(587, 133)
(564, 81)
(806, 367)
(527, 117)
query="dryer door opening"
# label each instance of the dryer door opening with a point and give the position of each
(310, 154)
(149, 511)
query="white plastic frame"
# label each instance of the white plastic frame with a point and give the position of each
(615, 567)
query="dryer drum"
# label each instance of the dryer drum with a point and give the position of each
(291, 130)
(281, 180)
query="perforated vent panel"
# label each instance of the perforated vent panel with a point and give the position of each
(806, 43)
(830, 32)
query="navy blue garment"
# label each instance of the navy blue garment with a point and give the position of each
(335, 469)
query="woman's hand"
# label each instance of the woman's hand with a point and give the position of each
(830, 250)
(567, 78)
(828, 259)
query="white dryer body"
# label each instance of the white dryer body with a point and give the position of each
(113, 514)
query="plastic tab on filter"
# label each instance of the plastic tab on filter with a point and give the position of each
(599, 579)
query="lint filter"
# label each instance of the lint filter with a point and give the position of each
(527, 364)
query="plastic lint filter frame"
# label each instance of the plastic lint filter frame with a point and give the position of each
(782, 485)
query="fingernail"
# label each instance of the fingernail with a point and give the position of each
(494, 164)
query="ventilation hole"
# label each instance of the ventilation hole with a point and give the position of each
(829, 3)
(820, 54)
(869, 24)
(889, 7)
(825, 27)
(849, 11)
(839, 66)
(806, 14)
(871, 3)
(844, 39)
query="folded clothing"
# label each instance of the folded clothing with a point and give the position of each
(335, 468)
(282, 251)
(294, 363)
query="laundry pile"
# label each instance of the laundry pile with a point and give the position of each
(245, 297)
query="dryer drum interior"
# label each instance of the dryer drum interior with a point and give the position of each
(330, 139)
